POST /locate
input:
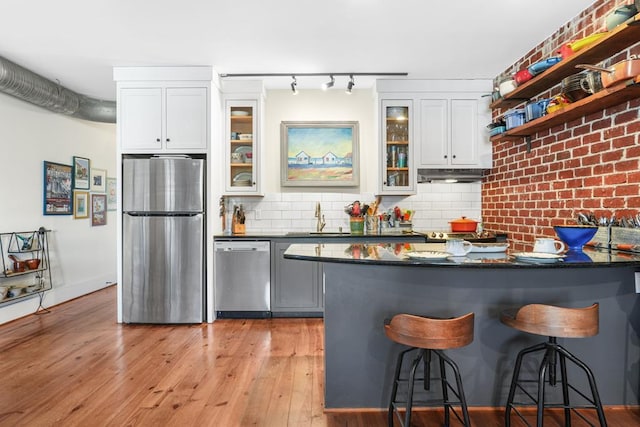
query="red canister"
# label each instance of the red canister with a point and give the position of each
(522, 76)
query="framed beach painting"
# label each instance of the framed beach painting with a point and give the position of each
(58, 180)
(319, 154)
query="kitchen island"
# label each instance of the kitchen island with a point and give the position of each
(367, 283)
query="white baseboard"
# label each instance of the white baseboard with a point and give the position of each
(55, 296)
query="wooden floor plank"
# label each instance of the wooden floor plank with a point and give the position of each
(75, 366)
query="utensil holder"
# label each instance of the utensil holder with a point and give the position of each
(356, 225)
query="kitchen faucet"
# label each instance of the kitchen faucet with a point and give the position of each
(320, 222)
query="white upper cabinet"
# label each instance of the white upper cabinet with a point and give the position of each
(162, 110)
(243, 103)
(450, 122)
(186, 118)
(450, 134)
(140, 118)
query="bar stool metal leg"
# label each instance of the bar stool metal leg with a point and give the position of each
(412, 376)
(541, 375)
(592, 383)
(565, 389)
(396, 380)
(554, 353)
(445, 391)
(460, 391)
(514, 379)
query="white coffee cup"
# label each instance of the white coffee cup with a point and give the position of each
(549, 245)
(458, 247)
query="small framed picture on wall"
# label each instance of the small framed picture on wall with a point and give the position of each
(98, 209)
(98, 180)
(112, 195)
(81, 173)
(80, 204)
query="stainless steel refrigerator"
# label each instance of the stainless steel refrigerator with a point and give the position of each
(163, 200)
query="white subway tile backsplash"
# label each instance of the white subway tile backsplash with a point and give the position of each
(434, 205)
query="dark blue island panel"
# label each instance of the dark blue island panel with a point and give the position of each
(359, 295)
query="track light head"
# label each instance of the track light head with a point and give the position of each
(350, 85)
(294, 85)
(328, 84)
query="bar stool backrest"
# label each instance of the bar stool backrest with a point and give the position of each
(431, 333)
(552, 321)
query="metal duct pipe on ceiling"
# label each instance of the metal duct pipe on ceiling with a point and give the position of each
(31, 87)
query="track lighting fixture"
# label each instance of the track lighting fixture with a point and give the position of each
(294, 83)
(329, 84)
(350, 85)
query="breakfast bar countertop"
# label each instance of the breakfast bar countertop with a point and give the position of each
(434, 255)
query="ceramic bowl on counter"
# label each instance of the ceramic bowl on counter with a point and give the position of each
(575, 236)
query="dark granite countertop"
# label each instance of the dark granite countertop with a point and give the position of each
(312, 235)
(396, 254)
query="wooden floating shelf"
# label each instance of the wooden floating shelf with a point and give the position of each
(608, 97)
(618, 39)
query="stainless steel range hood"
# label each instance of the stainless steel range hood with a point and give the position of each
(456, 175)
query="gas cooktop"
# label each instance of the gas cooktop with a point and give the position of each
(441, 236)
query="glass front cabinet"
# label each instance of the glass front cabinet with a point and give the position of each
(241, 147)
(396, 155)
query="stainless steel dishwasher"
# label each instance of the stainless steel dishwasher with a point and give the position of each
(242, 279)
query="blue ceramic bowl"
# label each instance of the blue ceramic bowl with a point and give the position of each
(575, 236)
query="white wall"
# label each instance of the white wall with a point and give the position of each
(83, 258)
(292, 208)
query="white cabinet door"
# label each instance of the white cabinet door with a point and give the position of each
(140, 119)
(464, 132)
(434, 132)
(186, 118)
(449, 132)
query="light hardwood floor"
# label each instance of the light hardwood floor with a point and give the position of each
(76, 366)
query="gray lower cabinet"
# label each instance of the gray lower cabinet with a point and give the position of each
(297, 288)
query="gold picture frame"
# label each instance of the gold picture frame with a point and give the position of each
(80, 204)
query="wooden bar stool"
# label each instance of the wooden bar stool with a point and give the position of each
(553, 322)
(426, 335)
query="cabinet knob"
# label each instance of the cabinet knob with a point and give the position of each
(168, 140)
(157, 139)
(454, 156)
(445, 156)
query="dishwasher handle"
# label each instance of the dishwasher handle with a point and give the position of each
(237, 249)
(242, 246)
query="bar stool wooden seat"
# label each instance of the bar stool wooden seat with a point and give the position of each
(424, 336)
(553, 322)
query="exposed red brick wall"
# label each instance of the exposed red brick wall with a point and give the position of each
(589, 164)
